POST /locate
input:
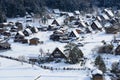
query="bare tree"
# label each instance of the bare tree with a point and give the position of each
(41, 52)
(21, 58)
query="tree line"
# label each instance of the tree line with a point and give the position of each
(11, 8)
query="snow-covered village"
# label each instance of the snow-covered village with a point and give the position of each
(61, 45)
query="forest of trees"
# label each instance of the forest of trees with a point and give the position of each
(11, 8)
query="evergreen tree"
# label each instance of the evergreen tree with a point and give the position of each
(2, 17)
(100, 63)
(73, 52)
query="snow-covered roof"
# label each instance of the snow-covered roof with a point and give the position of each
(28, 16)
(98, 24)
(97, 71)
(75, 32)
(105, 16)
(21, 33)
(98, 17)
(33, 56)
(108, 24)
(36, 29)
(77, 12)
(70, 14)
(109, 12)
(56, 11)
(60, 20)
(83, 23)
(28, 30)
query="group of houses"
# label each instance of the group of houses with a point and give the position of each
(105, 20)
(21, 36)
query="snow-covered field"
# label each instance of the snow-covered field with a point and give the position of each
(13, 70)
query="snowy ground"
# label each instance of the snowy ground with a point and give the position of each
(12, 70)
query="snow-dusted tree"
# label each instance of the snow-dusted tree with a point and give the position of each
(107, 48)
(116, 69)
(114, 66)
(41, 52)
(73, 52)
(100, 63)
(21, 58)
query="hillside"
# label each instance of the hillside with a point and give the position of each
(11, 8)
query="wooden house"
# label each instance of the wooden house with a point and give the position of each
(27, 32)
(97, 75)
(82, 24)
(6, 33)
(70, 16)
(109, 12)
(55, 22)
(13, 29)
(96, 25)
(19, 26)
(19, 36)
(34, 41)
(4, 45)
(58, 53)
(28, 18)
(73, 34)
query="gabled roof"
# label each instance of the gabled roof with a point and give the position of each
(28, 30)
(56, 11)
(83, 24)
(105, 16)
(97, 71)
(70, 14)
(99, 18)
(109, 12)
(108, 24)
(75, 33)
(59, 20)
(77, 12)
(21, 33)
(98, 24)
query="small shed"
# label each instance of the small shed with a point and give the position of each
(34, 41)
(97, 75)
